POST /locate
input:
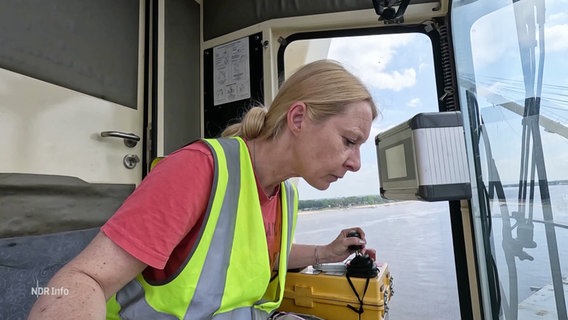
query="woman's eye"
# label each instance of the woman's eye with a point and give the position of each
(348, 141)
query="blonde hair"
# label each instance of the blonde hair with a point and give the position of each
(326, 88)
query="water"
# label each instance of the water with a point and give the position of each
(532, 274)
(414, 238)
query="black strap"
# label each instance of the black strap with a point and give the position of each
(360, 310)
(362, 266)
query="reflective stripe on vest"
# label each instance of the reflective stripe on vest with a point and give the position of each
(203, 289)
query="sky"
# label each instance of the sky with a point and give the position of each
(499, 73)
(399, 72)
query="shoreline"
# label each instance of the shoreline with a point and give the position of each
(364, 206)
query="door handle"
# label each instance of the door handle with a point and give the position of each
(130, 139)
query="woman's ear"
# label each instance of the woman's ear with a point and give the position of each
(297, 114)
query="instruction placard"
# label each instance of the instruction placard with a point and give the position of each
(231, 72)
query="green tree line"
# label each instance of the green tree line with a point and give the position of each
(344, 202)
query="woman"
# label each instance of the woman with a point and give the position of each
(208, 233)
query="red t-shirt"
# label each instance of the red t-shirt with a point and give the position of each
(159, 222)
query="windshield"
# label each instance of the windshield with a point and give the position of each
(511, 67)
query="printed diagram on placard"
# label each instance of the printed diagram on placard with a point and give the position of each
(231, 72)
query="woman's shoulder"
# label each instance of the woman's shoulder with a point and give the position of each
(196, 149)
(196, 154)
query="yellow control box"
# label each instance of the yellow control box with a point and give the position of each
(329, 296)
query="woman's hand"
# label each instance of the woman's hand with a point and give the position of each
(338, 250)
(302, 255)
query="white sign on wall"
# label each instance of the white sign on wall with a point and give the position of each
(231, 72)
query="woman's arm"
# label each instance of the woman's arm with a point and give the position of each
(87, 281)
(302, 255)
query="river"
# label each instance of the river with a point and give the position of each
(414, 238)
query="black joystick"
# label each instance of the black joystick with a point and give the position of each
(354, 234)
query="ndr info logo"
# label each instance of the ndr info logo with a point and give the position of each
(49, 291)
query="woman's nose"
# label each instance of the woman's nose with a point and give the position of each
(353, 162)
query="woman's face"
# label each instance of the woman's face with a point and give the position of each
(330, 148)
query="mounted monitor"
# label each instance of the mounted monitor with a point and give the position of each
(424, 158)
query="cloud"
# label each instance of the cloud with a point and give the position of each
(557, 17)
(376, 51)
(425, 67)
(395, 80)
(413, 103)
(489, 46)
(372, 59)
(555, 38)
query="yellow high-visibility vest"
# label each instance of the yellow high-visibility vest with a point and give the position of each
(227, 274)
